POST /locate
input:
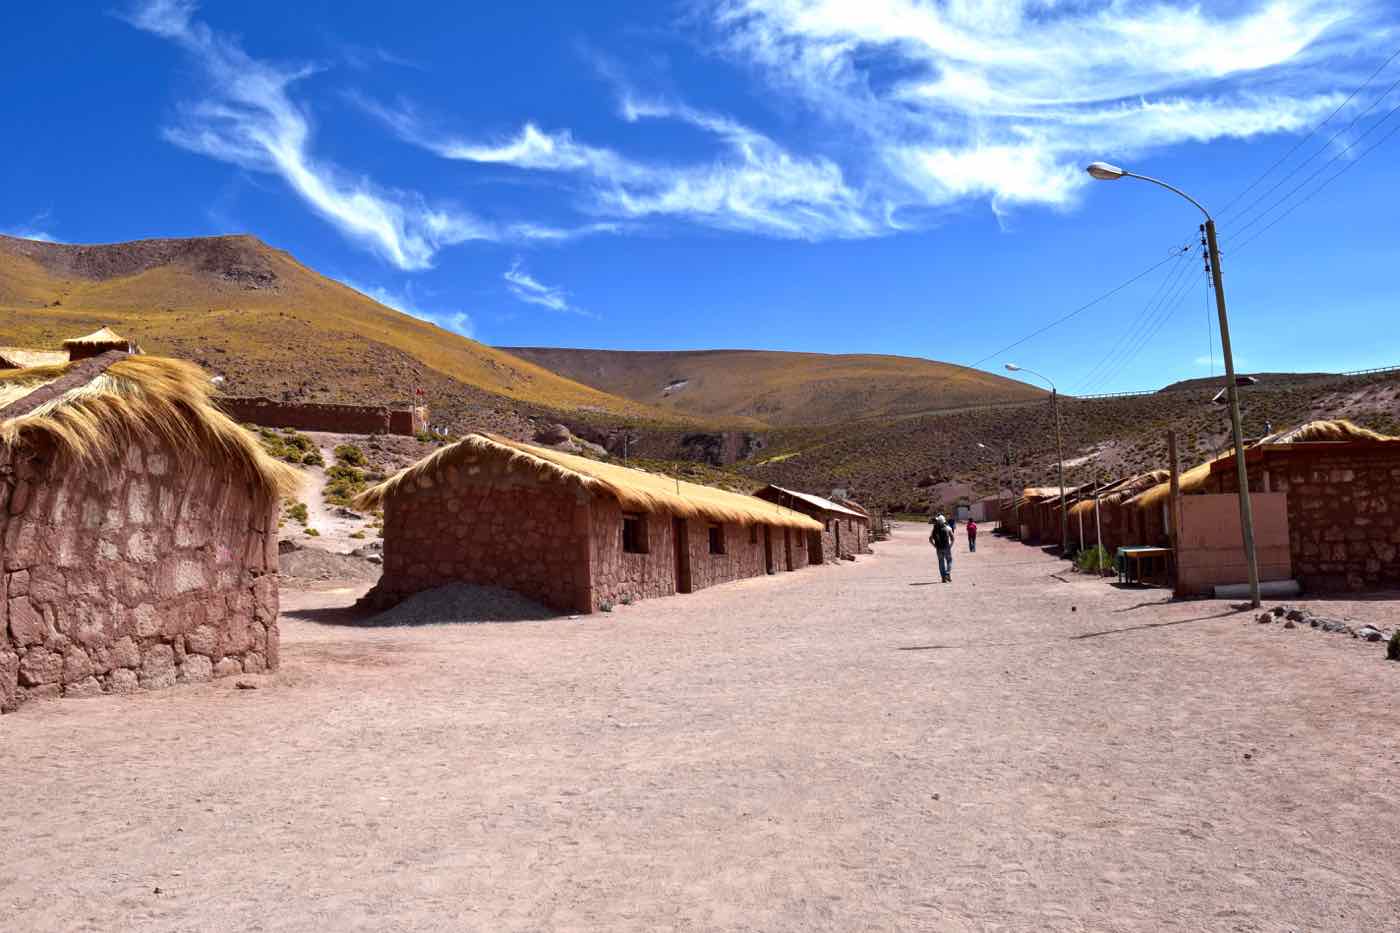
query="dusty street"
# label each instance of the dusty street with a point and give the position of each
(845, 748)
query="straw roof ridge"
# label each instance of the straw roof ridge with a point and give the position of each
(1338, 430)
(27, 357)
(635, 490)
(99, 338)
(139, 397)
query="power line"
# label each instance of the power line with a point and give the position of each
(1143, 320)
(1320, 169)
(1210, 328)
(1296, 146)
(1310, 195)
(1167, 310)
(1077, 311)
(1333, 138)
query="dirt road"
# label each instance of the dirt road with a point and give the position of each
(845, 748)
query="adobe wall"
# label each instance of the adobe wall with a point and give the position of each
(489, 523)
(618, 574)
(742, 557)
(320, 416)
(138, 573)
(1343, 514)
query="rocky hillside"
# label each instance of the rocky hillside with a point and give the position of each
(272, 326)
(780, 389)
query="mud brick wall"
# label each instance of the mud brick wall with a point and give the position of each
(316, 416)
(1343, 513)
(617, 574)
(743, 557)
(149, 570)
(488, 522)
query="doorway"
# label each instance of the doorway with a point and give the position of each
(680, 536)
(768, 548)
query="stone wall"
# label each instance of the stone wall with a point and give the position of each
(320, 416)
(1343, 512)
(618, 575)
(743, 555)
(492, 523)
(141, 572)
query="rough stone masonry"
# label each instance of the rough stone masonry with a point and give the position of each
(141, 571)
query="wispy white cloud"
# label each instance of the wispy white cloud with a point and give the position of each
(404, 300)
(1005, 101)
(532, 291)
(753, 185)
(33, 229)
(249, 119)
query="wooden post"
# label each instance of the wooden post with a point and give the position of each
(1174, 512)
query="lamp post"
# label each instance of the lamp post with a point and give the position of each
(1059, 449)
(1106, 172)
(1010, 485)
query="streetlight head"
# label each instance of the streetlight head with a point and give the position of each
(1103, 171)
(1012, 368)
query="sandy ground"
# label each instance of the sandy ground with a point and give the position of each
(845, 748)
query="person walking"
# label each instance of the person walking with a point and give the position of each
(942, 540)
(972, 536)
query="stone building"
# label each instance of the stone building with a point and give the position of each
(572, 533)
(138, 531)
(1341, 484)
(845, 532)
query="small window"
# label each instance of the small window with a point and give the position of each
(634, 534)
(753, 534)
(716, 539)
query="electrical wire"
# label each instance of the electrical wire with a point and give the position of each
(1312, 132)
(1312, 194)
(1299, 167)
(1140, 323)
(1169, 310)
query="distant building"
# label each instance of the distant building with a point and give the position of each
(138, 531)
(97, 343)
(845, 531)
(572, 533)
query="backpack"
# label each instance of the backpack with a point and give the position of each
(942, 536)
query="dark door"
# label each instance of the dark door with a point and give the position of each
(680, 533)
(768, 548)
(837, 555)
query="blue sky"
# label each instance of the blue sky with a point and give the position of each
(883, 176)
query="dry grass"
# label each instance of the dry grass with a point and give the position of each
(141, 396)
(634, 489)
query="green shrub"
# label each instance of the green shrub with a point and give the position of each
(605, 606)
(357, 534)
(313, 458)
(1392, 650)
(313, 532)
(297, 512)
(343, 484)
(1094, 560)
(350, 454)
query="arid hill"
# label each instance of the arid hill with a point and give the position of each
(781, 389)
(271, 326)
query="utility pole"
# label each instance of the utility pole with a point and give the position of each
(1060, 452)
(1103, 171)
(1233, 393)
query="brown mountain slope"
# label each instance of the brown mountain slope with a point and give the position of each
(269, 324)
(782, 389)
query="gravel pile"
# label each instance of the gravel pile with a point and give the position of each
(463, 602)
(318, 566)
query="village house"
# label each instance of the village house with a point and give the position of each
(138, 531)
(865, 531)
(572, 533)
(1326, 498)
(845, 532)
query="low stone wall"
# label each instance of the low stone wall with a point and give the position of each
(139, 573)
(321, 416)
(488, 524)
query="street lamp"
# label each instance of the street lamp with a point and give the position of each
(1103, 171)
(1010, 485)
(1059, 447)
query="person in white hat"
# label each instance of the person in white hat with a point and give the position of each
(942, 540)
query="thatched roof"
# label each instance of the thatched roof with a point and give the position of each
(106, 337)
(24, 357)
(636, 490)
(1320, 433)
(137, 396)
(817, 502)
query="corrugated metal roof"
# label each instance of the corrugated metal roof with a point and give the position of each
(818, 501)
